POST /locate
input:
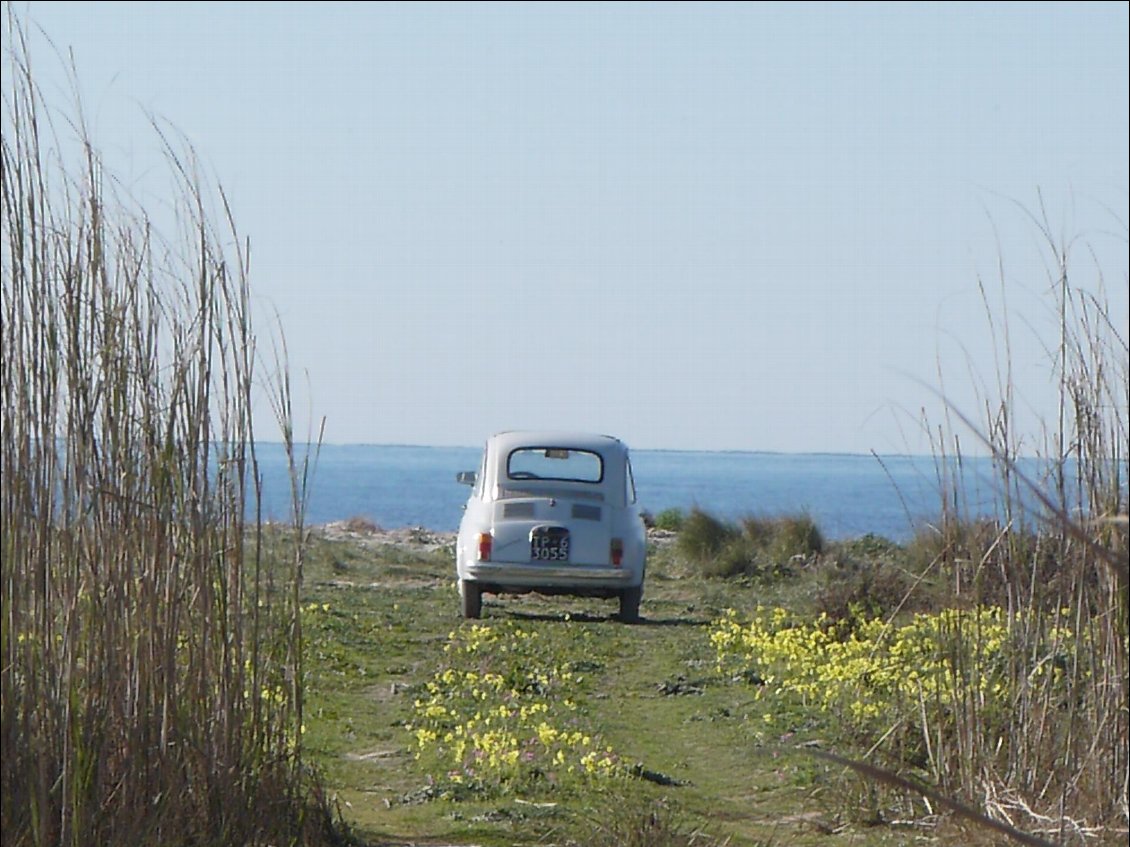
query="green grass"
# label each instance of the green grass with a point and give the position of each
(376, 638)
(706, 759)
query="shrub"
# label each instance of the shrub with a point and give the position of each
(670, 519)
(759, 531)
(796, 535)
(873, 675)
(737, 558)
(982, 562)
(780, 540)
(759, 547)
(856, 591)
(870, 546)
(703, 536)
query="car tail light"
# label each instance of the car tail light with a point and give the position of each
(485, 544)
(617, 551)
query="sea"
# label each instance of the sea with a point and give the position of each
(847, 496)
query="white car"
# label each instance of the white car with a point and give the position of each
(555, 513)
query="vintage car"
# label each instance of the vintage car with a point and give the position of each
(555, 513)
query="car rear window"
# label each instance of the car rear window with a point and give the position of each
(563, 464)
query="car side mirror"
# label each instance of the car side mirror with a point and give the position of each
(465, 477)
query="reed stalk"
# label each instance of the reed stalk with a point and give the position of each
(1054, 753)
(151, 686)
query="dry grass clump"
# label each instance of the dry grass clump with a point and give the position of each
(785, 538)
(860, 590)
(669, 519)
(983, 562)
(631, 822)
(702, 535)
(151, 673)
(1059, 573)
(757, 547)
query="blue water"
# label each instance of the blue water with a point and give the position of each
(846, 495)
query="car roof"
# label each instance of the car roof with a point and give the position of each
(510, 440)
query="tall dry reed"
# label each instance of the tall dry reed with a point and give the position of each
(151, 682)
(1050, 748)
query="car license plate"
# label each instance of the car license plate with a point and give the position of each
(549, 544)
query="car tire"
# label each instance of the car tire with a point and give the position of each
(472, 599)
(630, 604)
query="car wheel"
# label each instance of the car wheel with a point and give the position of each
(630, 604)
(472, 597)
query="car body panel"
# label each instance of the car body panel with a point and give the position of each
(580, 489)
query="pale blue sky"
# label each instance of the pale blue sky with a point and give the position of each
(733, 226)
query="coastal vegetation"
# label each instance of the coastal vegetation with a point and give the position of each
(547, 721)
(967, 686)
(152, 664)
(176, 671)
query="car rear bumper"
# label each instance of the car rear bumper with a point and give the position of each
(506, 575)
